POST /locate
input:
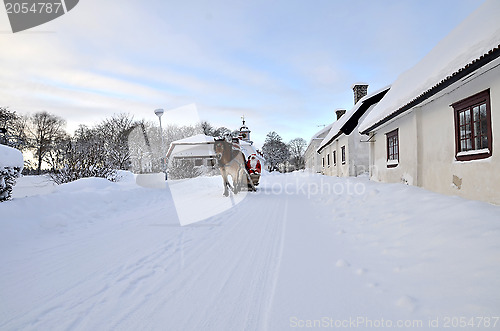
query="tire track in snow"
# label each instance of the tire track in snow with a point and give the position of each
(151, 277)
(276, 272)
(243, 258)
(106, 270)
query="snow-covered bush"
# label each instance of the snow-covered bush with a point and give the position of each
(78, 170)
(82, 156)
(11, 165)
(182, 168)
(208, 171)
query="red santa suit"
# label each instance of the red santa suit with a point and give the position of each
(253, 165)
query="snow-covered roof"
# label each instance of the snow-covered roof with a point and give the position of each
(337, 126)
(196, 139)
(321, 132)
(10, 157)
(475, 37)
(199, 145)
(248, 149)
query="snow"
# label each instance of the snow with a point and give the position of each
(474, 152)
(10, 157)
(198, 145)
(317, 136)
(33, 185)
(196, 139)
(305, 249)
(392, 162)
(475, 36)
(248, 149)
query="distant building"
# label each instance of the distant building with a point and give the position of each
(200, 148)
(343, 151)
(311, 157)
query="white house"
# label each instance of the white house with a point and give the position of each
(199, 148)
(343, 151)
(311, 156)
(439, 125)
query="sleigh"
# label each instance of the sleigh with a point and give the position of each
(255, 180)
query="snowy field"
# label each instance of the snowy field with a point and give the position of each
(305, 252)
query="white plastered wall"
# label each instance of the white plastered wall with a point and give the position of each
(406, 170)
(476, 179)
(427, 145)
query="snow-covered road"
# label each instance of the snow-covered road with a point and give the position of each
(306, 250)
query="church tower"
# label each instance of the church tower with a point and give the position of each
(245, 132)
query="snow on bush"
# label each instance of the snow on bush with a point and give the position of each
(11, 165)
(182, 168)
(75, 171)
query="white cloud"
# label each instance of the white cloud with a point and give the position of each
(284, 65)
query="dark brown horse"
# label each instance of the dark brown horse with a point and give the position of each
(231, 163)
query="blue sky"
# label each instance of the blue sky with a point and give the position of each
(285, 65)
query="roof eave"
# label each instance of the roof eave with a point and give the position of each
(453, 78)
(329, 142)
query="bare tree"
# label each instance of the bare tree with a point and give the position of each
(12, 132)
(222, 132)
(56, 156)
(114, 132)
(84, 155)
(43, 130)
(207, 128)
(297, 148)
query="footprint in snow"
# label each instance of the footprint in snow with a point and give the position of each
(361, 271)
(342, 264)
(407, 302)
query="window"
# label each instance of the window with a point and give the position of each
(343, 154)
(473, 137)
(323, 162)
(392, 148)
(334, 158)
(328, 159)
(198, 162)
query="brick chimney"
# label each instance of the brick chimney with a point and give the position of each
(360, 90)
(339, 113)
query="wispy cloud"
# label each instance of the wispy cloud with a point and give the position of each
(284, 64)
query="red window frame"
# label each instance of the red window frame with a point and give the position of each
(392, 147)
(473, 133)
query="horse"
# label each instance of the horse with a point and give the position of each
(231, 163)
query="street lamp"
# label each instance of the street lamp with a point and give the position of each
(159, 112)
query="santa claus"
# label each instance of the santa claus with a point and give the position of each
(253, 165)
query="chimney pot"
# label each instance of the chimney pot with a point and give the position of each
(360, 90)
(339, 113)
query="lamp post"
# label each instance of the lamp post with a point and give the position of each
(159, 112)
